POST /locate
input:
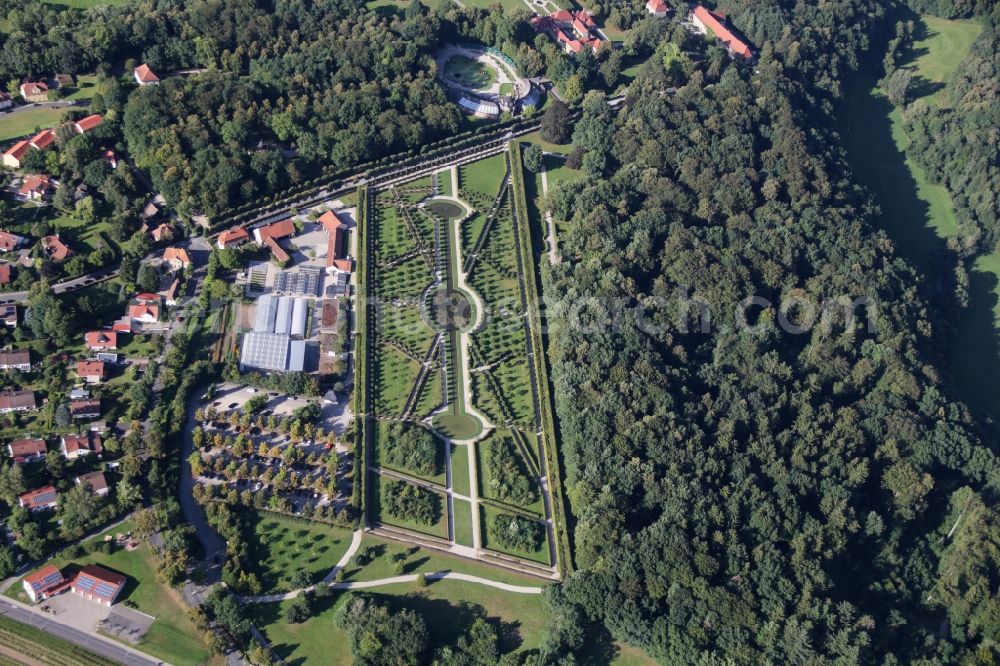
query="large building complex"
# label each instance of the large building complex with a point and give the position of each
(276, 343)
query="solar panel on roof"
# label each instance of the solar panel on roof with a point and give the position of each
(105, 589)
(86, 583)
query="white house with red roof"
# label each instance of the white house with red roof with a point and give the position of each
(34, 91)
(43, 139)
(657, 8)
(705, 20)
(573, 30)
(232, 238)
(44, 583)
(144, 76)
(13, 156)
(35, 187)
(92, 372)
(39, 499)
(28, 449)
(101, 340)
(84, 125)
(78, 446)
(145, 308)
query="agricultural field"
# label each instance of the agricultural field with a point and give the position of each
(450, 380)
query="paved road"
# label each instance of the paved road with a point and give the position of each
(105, 647)
(41, 105)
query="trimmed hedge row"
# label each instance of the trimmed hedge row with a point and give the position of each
(564, 553)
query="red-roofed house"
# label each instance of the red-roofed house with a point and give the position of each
(95, 481)
(177, 257)
(12, 156)
(34, 91)
(101, 340)
(93, 372)
(27, 450)
(277, 231)
(5, 274)
(706, 20)
(55, 249)
(10, 242)
(572, 30)
(43, 139)
(163, 231)
(77, 446)
(39, 499)
(123, 325)
(44, 583)
(110, 157)
(85, 408)
(276, 250)
(343, 265)
(35, 187)
(147, 313)
(97, 584)
(232, 237)
(144, 76)
(335, 229)
(84, 125)
(657, 8)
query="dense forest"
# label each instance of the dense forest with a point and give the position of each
(259, 95)
(755, 489)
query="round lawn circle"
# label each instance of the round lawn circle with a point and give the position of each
(458, 426)
(469, 72)
(445, 209)
(450, 310)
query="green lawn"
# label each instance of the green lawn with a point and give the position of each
(449, 607)
(469, 72)
(508, 5)
(85, 87)
(941, 47)
(483, 176)
(458, 426)
(23, 123)
(172, 636)
(487, 515)
(281, 547)
(460, 469)
(463, 522)
(917, 214)
(556, 171)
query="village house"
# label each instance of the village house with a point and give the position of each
(27, 450)
(176, 257)
(17, 401)
(170, 294)
(269, 236)
(101, 340)
(10, 242)
(95, 481)
(6, 275)
(34, 91)
(35, 187)
(144, 76)
(39, 499)
(97, 584)
(705, 20)
(84, 125)
(336, 231)
(6, 101)
(572, 30)
(18, 359)
(232, 238)
(162, 231)
(8, 313)
(13, 156)
(93, 372)
(89, 408)
(78, 446)
(55, 249)
(43, 139)
(657, 8)
(44, 583)
(145, 308)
